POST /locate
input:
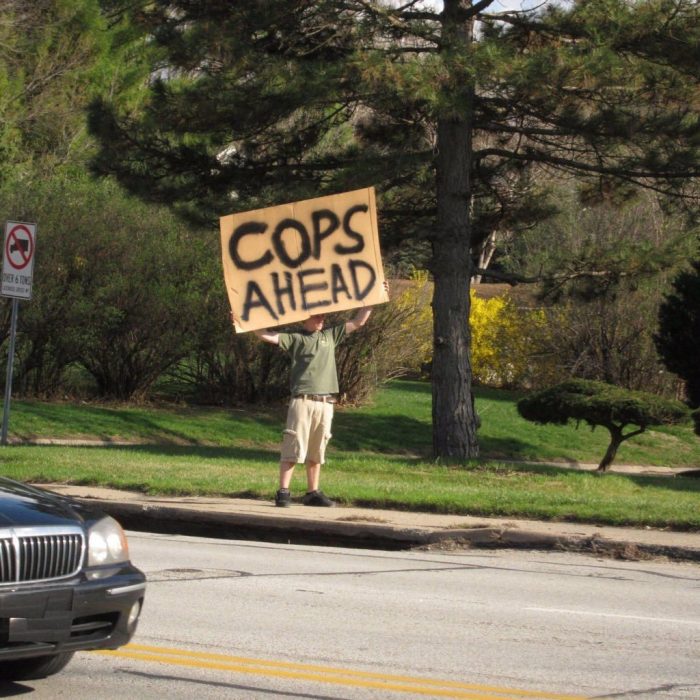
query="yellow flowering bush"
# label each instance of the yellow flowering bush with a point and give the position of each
(510, 345)
(507, 348)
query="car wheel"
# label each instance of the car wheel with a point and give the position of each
(37, 667)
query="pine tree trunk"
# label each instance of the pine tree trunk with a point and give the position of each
(454, 421)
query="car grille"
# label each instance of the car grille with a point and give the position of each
(40, 553)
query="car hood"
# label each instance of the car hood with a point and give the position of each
(24, 505)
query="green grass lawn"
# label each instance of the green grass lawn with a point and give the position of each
(380, 457)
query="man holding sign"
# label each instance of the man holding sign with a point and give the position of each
(297, 262)
(314, 386)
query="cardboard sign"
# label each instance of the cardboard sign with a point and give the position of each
(285, 263)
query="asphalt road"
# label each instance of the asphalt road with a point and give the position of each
(228, 619)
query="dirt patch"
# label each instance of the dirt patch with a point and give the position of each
(362, 519)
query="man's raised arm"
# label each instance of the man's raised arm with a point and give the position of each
(264, 334)
(358, 320)
(362, 316)
(268, 336)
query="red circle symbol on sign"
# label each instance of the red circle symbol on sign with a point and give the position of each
(19, 247)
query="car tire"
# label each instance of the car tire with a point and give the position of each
(34, 668)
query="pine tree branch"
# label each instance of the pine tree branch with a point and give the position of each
(475, 9)
(514, 278)
(625, 173)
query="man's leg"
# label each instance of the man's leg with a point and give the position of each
(320, 434)
(313, 496)
(283, 497)
(286, 473)
(293, 449)
(313, 473)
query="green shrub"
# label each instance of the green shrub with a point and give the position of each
(597, 403)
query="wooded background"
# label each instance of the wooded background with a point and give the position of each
(555, 148)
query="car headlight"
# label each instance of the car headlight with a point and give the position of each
(107, 543)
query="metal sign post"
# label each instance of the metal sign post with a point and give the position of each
(17, 281)
(8, 376)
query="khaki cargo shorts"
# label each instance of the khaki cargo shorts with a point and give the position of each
(308, 431)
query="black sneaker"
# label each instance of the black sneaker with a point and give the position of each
(283, 499)
(317, 498)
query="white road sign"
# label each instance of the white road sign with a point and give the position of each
(18, 260)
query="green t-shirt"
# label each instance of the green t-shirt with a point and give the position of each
(313, 360)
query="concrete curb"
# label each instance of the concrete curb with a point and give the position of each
(356, 532)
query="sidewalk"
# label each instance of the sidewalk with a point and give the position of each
(238, 518)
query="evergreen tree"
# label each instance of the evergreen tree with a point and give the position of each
(678, 337)
(277, 100)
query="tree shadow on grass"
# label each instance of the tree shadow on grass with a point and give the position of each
(402, 435)
(208, 452)
(670, 482)
(507, 448)
(423, 386)
(491, 394)
(108, 424)
(389, 434)
(417, 386)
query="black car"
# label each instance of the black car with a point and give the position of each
(66, 582)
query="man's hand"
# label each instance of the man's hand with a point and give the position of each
(268, 336)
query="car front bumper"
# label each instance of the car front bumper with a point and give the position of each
(79, 614)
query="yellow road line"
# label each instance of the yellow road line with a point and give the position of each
(326, 674)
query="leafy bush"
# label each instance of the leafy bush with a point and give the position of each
(609, 339)
(226, 368)
(396, 341)
(117, 288)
